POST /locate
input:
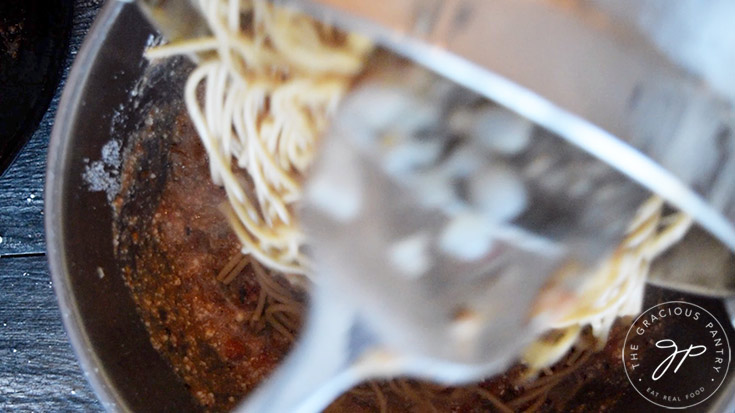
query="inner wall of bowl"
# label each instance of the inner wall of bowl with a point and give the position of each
(109, 111)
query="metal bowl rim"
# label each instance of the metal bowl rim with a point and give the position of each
(55, 189)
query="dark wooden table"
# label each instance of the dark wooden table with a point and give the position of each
(38, 370)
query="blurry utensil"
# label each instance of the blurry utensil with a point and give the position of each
(397, 293)
(698, 264)
(176, 19)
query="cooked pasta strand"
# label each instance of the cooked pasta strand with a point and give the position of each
(259, 101)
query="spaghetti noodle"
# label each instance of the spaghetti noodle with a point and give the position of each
(616, 287)
(269, 82)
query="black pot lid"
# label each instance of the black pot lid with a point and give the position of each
(34, 35)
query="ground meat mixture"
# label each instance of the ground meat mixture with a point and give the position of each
(173, 241)
(195, 321)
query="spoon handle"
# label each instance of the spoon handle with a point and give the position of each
(318, 370)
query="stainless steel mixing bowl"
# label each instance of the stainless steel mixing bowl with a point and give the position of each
(106, 332)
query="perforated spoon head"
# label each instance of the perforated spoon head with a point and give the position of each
(444, 254)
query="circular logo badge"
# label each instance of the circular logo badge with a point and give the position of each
(676, 354)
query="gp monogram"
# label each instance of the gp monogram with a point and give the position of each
(676, 354)
(664, 366)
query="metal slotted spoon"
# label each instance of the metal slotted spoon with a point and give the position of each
(399, 291)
